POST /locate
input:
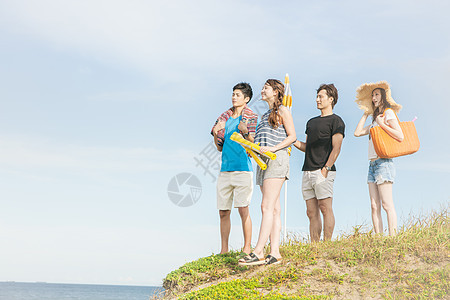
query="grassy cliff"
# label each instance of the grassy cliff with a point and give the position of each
(359, 265)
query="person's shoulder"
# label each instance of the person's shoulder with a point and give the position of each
(250, 112)
(226, 113)
(283, 109)
(314, 119)
(390, 111)
(337, 118)
(267, 113)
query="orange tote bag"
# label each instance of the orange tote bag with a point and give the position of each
(387, 147)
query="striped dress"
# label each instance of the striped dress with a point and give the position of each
(266, 135)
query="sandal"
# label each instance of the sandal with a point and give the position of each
(251, 260)
(272, 260)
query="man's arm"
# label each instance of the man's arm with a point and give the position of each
(336, 143)
(219, 126)
(300, 145)
(216, 142)
(245, 133)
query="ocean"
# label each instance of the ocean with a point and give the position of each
(59, 291)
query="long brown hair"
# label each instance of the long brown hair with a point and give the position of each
(384, 104)
(274, 116)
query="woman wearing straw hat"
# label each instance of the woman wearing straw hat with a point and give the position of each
(275, 133)
(376, 100)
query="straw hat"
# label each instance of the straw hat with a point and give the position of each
(364, 96)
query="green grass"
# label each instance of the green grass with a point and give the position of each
(204, 269)
(253, 288)
(412, 265)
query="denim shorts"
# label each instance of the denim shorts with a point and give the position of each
(278, 168)
(381, 170)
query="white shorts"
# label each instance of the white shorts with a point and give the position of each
(237, 186)
(314, 185)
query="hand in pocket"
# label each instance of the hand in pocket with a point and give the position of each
(319, 177)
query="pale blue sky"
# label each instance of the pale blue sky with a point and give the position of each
(103, 102)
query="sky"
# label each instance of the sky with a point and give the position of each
(103, 103)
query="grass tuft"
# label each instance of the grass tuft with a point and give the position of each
(414, 264)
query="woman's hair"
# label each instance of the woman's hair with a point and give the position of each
(384, 104)
(274, 117)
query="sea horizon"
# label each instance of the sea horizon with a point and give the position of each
(47, 282)
(16, 290)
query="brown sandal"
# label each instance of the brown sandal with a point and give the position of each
(272, 260)
(251, 260)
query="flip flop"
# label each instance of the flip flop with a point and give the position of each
(272, 260)
(251, 260)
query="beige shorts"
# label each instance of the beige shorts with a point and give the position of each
(278, 168)
(314, 185)
(237, 186)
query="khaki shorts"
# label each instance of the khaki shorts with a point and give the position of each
(237, 185)
(278, 168)
(314, 185)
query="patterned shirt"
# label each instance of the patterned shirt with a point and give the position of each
(247, 115)
(266, 135)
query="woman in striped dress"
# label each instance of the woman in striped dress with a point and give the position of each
(275, 133)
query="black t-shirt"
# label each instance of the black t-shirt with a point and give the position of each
(319, 131)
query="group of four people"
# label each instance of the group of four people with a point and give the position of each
(276, 133)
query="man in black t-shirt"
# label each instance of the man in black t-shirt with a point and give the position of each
(324, 135)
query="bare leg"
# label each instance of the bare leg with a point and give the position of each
(247, 228)
(385, 192)
(271, 192)
(225, 228)
(315, 222)
(376, 208)
(276, 229)
(326, 207)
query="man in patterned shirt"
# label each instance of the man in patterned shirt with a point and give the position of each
(235, 181)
